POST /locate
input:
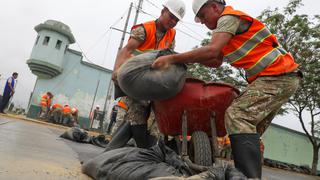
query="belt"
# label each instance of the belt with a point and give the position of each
(296, 73)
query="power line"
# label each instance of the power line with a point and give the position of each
(106, 32)
(187, 34)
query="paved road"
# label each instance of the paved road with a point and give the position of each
(31, 150)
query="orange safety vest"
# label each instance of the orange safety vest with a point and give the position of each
(57, 106)
(150, 41)
(226, 140)
(257, 50)
(45, 101)
(122, 105)
(66, 109)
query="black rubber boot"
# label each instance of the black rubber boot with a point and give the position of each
(121, 137)
(140, 135)
(246, 154)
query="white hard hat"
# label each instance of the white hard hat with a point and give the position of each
(176, 7)
(97, 106)
(197, 5)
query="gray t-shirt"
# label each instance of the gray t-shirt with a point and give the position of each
(231, 24)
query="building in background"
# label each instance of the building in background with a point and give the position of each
(287, 145)
(63, 72)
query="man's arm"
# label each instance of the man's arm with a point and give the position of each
(206, 54)
(123, 55)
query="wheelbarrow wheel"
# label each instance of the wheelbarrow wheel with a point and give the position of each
(200, 149)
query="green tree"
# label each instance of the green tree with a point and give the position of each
(300, 35)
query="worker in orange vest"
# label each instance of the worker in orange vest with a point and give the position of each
(262, 151)
(55, 113)
(121, 110)
(272, 74)
(75, 116)
(151, 35)
(226, 148)
(45, 104)
(66, 115)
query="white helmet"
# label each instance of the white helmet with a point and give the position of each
(197, 5)
(176, 7)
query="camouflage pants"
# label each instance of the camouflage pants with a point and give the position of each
(254, 109)
(119, 119)
(138, 111)
(44, 112)
(67, 119)
(153, 126)
(137, 114)
(56, 115)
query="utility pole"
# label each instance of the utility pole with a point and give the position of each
(125, 28)
(110, 89)
(137, 12)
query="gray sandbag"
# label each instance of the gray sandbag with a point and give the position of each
(138, 80)
(136, 164)
(81, 136)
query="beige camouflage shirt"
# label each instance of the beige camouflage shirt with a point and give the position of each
(140, 35)
(231, 24)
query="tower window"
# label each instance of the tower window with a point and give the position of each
(58, 45)
(37, 40)
(46, 40)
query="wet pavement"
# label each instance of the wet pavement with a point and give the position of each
(34, 150)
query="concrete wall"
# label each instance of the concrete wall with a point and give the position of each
(49, 53)
(76, 85)
(286, 145)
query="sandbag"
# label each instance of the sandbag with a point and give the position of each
(136, 164)
(138, 80)
(79, 135)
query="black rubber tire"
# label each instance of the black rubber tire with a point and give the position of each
(200, 149)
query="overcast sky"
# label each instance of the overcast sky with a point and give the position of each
(90, 22)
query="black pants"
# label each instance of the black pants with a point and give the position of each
(5, 100)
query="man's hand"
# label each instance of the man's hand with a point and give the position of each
(162, 62)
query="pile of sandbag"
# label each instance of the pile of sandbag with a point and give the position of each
(138, 80)
(159, 162)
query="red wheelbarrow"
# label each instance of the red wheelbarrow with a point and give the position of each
(198, 110)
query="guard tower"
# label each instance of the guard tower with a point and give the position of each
(47, 55)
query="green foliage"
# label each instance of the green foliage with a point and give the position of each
(300, 35)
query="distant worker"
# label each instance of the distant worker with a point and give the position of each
(66, 115)
(95, 117)
(262, 150)
(152, 35)
(56, 113)
(113, 117)
(45, 104)
(75, 116)
(8, 92)
(226, 148)
(121, 112)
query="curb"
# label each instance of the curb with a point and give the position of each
(23, 118)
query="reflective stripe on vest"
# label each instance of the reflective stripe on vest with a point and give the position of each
(256, 50)
(250, 44)
(265, 61)
(122, 105)
(44, 100)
